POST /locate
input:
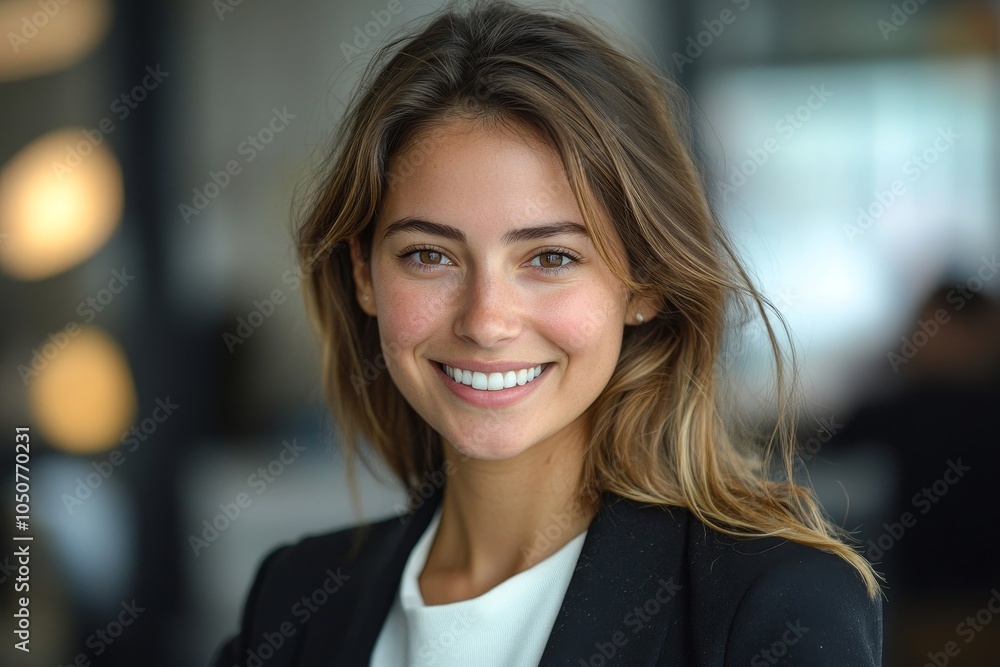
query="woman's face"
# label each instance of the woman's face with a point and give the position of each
(481, 261)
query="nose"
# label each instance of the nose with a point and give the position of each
(489, 311)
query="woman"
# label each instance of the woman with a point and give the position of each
(511, 226)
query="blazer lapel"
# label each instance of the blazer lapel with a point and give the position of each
(625, 602)
(349, 639)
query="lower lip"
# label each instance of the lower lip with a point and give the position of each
(500, 398)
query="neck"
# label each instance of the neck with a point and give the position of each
(501, 517)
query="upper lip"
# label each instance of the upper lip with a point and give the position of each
(491, 366)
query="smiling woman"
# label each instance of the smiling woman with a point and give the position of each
(459, 279)
(511, 221)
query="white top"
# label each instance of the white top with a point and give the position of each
(507, 626)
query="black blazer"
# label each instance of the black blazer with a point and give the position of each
(651, 587)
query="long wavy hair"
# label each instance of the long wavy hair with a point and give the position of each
(662, 432)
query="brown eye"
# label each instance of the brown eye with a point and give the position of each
(551, 260)
(424, 259)
(430, 257)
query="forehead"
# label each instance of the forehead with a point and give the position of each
(486, 179)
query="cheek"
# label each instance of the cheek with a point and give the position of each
(581, 319)
(408, 314)
(581, 322)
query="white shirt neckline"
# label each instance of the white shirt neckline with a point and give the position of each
(506, 626)
(412, 598)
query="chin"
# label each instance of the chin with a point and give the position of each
(470, 447)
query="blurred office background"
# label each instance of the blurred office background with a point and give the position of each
(155, 341)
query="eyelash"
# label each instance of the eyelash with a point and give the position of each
(404, 256)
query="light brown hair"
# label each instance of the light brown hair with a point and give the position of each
(661, 433)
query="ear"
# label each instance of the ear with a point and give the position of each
(645, 306)
(362, 278)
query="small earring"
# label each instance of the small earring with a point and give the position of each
(639, 318)
(364, 296)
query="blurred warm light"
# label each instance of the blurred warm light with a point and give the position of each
(84, 398)
(47, 37)
(61, 197)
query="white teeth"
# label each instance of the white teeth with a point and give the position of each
(493, 381)
(479, 381)
(509, 379)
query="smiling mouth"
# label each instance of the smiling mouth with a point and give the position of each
(493, 381)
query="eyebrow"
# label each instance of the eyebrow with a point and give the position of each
(511, 237)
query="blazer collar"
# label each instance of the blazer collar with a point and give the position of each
(625, 601)
(625, 593)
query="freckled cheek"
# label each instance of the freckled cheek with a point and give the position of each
(582, 323)
(408, 316)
